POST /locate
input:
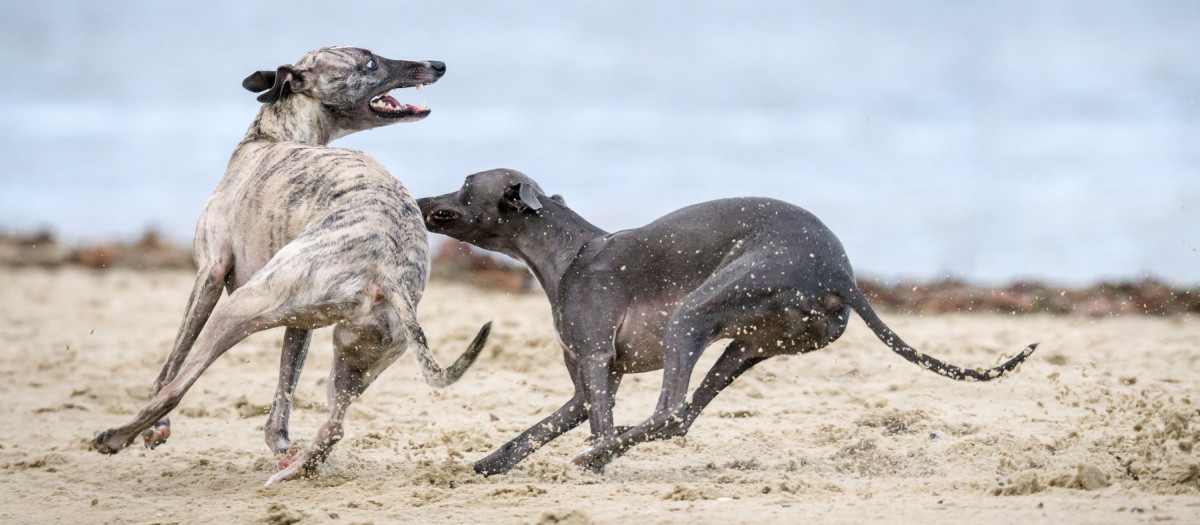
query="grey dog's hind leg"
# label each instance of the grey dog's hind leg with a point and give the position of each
(700, 319)
(291, 360)
(205, 294)
(737, 358)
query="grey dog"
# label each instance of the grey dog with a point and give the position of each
(764, 273)
(305, 236)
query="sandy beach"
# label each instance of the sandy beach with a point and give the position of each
(1100, 426)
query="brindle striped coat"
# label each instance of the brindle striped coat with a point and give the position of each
(303, 235)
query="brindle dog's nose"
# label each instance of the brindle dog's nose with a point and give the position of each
(438, 67)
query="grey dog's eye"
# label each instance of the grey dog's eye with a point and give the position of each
(371, 64)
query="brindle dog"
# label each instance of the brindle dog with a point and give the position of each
(764, 273)
(305, 236)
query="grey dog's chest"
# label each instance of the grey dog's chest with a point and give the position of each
(639, 336)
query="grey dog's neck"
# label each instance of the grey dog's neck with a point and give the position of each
(551, 243)
(294, 117)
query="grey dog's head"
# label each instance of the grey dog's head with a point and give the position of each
(490, 210)
(350, 84)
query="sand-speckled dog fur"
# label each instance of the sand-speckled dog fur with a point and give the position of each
(303, 235)
(764, 273)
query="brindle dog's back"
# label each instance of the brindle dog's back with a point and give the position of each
(344, 197)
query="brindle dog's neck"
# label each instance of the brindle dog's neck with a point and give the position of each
(551, 245)
(294, 117)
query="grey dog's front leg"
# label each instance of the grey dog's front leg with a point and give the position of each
(599, 389)
(507, 456)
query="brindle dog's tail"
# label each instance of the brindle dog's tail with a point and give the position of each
(432, 372)
(855, 298)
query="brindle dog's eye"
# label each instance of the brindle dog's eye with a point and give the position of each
(371, 64)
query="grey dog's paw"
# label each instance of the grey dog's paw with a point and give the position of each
(484, 468)
(593, 459)
(617, 430)
(497, 462)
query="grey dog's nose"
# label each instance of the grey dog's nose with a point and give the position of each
(439, 67)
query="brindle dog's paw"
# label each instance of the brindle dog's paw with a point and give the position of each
(295, 468)
(285, 460)
(156, 435)
(103, 443)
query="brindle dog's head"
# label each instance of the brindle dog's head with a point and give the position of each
(350, 84)
(490, 210)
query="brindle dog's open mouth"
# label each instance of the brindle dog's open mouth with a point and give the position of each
(385, 106)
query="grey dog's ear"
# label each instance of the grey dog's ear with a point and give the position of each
(559, 199)
(522, 196)
(277, 81)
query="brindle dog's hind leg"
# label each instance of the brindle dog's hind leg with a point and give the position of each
(291, 360)
(248, 310)
(360, 353)
(210, 282)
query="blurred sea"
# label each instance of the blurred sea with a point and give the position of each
(983, 140)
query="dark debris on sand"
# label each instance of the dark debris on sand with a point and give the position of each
(459, 262)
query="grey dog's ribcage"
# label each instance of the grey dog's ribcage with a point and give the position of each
(329, 207)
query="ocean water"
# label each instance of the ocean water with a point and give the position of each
(988, 141)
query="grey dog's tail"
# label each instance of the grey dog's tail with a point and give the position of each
(855, 298)
(432, 372)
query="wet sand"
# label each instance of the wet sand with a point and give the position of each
(1100, 426)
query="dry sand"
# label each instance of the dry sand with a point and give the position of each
(1099, 427)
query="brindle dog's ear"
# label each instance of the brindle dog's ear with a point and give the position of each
(277, 81)
(523, 197)
(259, 81)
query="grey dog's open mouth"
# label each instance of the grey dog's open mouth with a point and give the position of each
(385, 106)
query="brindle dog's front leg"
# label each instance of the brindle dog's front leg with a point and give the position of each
(205, 293)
